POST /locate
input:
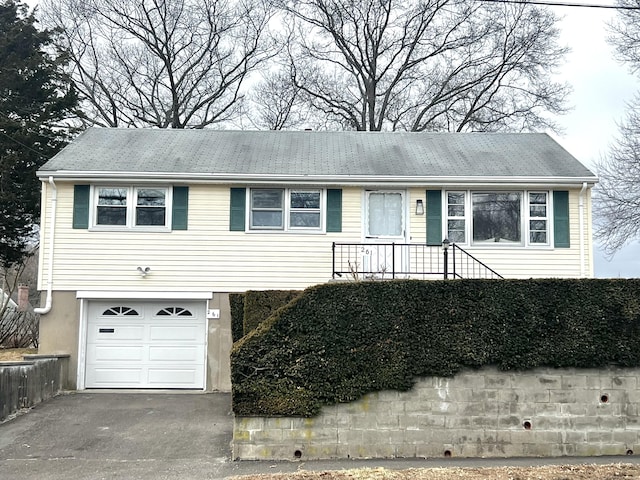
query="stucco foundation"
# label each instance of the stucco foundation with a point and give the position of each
(485, 413)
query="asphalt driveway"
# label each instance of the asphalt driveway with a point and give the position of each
(120, 435)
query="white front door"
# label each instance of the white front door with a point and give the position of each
(155, 344)
(385, 223)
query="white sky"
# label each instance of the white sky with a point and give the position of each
(601, 88)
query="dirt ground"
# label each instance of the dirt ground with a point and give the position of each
(15, 354)
(561, 472)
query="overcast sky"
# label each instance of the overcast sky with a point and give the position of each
(601, 88)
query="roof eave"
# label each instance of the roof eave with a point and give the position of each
(345, 180)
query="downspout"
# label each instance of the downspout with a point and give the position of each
(583, 271)
(52, 228)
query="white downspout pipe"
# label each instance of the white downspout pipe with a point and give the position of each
(583, 270)
(52, 228)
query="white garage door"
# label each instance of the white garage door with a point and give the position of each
(145, 344)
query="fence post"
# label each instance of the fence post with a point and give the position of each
(445, 254)
(333, 268)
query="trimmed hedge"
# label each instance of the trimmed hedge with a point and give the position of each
(339, 341)
(259, 305)
(236, 303)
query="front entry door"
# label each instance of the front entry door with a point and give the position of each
(385, 223)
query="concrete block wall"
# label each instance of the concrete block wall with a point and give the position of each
(484, 413)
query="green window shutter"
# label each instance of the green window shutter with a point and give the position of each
(81, 206)
(561, 219)
(434, 217)
(180, 208)
(238, 209)
(334, 210)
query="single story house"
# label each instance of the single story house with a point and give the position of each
(146, 232)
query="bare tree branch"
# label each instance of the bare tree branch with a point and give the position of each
(427, 64)
(161, 63)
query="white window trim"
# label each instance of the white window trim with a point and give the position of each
(405, 216)
(547, 218)
(286, 198)
(131, 209)
(524, 216)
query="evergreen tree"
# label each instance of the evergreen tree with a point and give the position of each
(35, 98)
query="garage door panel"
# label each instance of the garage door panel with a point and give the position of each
(117, 354)
(186, 333)
(115, 377)
(175, 354)
(162, 346)
(160, 377)
(116, 333)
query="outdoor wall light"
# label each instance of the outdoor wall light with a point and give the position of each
(419, 207)
(144, 271)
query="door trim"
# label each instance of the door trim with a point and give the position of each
(405, 217)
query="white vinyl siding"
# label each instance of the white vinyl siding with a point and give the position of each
(210, 257)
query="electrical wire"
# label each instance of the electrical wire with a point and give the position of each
(564, 4)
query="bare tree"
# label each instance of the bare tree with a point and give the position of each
(276, 103)
(160, 63)
(18, 327)
(426, 64)
(617, 195)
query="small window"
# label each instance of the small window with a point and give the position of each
(151, 206)
(538, 219)
(267, 208)
(112, 206)
(304, 209)
(120, 312)
(456, 219)
(174, 312)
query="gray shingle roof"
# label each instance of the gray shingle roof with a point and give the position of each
(206, 153)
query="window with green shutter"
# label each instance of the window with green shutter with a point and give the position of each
(125, 207)
(285, 209)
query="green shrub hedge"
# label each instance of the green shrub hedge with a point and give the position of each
(259, 305)
(339, 341)
(236, 303)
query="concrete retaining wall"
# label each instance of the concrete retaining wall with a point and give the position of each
(485, 413)
(25, 384)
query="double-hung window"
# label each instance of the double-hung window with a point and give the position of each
(131, 207)
(502, 217)
(285, 209)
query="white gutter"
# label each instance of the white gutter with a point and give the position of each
(345, 180)
(583, 270)
(52, 228)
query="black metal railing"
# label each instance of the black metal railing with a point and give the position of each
(385, 261)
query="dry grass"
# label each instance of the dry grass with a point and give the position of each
(556, 472)
(15, 354)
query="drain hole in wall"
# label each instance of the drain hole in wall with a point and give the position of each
(297, 454)
(629, 452)
(604, 398)
(447, 453)
(527, 425)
